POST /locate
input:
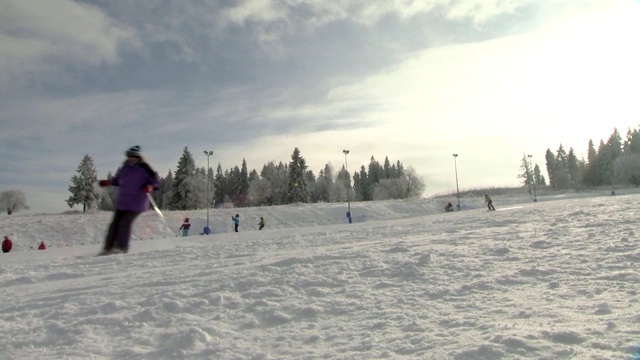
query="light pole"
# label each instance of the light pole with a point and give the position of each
(348, 190)
(207, 229)
(533, 181)
(455, 165)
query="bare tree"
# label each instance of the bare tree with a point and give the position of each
(13, 200)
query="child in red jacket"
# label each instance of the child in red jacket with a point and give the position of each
(6, 245)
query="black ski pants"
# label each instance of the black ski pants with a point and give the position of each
(120, 230)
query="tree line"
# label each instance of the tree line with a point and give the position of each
(614, 162)
(190, 187)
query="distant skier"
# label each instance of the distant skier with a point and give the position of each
(236, 222)
(489, 202)
(185, 227)
(7, 244)
(135, 178)
(261, 223)
(448, 208)
(42, 246)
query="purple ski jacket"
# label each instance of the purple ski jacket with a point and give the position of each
(131, 179)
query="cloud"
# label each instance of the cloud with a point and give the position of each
(43, 38)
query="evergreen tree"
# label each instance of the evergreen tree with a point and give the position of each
(561, 170)
(591, 176)
(357, 189)
(219, 185)
(374, 172)
(297, 190)
(243, 185)
(83, 186)
(574, 169)
(366, 190)
(632, 143)
(526, 175)
(387, 168)
(185, 189)
(538, 178)
(163, 195)
(551, 161)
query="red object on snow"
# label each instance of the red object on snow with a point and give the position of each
(42, 246)
(6, 244)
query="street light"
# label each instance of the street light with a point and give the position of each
(455, 165)
(533, 181)
(207, 229)
(348, 190)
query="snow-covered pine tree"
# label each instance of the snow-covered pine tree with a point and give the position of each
(83, 186)
(297, 191)
(185, 191)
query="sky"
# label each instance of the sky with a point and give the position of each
(554, 279)
(415, 81)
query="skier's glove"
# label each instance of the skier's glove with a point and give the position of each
(104, 183)
(147, 188)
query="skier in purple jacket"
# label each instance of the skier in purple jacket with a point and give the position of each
(134, 179)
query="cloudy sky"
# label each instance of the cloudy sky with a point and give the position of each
(412, 80)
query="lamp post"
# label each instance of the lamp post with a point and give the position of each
(348, 190)
(455, 165)
(533, 180)
(207, 229)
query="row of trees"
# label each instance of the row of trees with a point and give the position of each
(614, 162)
(191, 187)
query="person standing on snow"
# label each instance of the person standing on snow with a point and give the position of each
(261, 223)
(42, 246)
(7, 244)
(135, 178)
(489, 202)
(236, 222)
(185, 227)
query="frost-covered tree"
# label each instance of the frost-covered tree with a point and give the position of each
(108, 196)
(260, 191)
(415, 183)
(13, 200)
(83, 185)
(387, 189)
(278, 178)
(297, 191)
(186, 194)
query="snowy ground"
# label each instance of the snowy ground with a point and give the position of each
(548, 280)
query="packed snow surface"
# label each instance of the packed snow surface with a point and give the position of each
(556, 279)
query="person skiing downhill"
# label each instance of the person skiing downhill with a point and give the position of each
(185, 227)
(489, 202)
(135, 178)
(236, 222)
(261, 223)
